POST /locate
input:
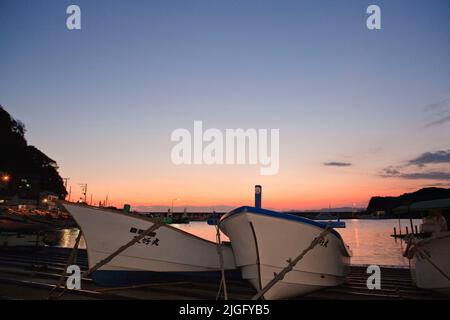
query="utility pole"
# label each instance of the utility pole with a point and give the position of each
(84, 189)
(66, 180)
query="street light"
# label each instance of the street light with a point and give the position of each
(6, 178)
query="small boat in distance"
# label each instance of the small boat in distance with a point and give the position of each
(166, 251)
(264, 240)
(325, 216)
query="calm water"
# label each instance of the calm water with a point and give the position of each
(369, 240)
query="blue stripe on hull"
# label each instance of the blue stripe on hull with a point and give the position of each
(120, 278)
(279, 215)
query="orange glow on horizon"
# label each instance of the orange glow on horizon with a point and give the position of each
(284, 196)
(298, 186)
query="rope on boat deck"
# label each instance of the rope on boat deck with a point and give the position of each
(100, 264)
(291, 264)
(434, 265)
(223, 282)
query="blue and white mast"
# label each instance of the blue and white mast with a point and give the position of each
(258, 194)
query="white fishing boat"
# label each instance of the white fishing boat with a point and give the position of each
(263, 241)
(168, 250)
(430, 262)
(429, 251)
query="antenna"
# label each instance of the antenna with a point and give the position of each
(66, 180)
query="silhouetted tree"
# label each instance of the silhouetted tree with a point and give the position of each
(30, 170)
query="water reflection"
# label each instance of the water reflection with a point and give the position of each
(68, 238)
(369, 240)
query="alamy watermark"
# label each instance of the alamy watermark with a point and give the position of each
(73, 281)
(73, 21)
(228, 147)
(374, 280)
(373, 22)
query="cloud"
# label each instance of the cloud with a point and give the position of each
(337, 164)
(442, 156)
(433, 175)
(408, 170)
(390, 172)
(440, 111)
(438, 122)
(438, 184)
(439, 107)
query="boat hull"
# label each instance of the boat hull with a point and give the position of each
(168, 250)
(263, 241)
(424, 274)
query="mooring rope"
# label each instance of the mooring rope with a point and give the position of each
(434, 265)
(223, 282)
(291, 264)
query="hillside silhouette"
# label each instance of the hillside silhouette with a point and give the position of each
(388, 203)
(25, 171)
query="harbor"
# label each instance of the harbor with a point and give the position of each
(31, 273)
(247, 253)
(222, 259)
(37, 271)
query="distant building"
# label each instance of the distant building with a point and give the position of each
(48, 200)
(380, 213)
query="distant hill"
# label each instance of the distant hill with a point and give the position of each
(164, 208)
(339, 209)
(388, 203)
(25, 171)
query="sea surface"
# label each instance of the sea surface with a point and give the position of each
(369, 240)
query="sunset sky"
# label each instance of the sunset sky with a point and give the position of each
(360, 112)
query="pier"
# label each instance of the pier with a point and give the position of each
(31, 273)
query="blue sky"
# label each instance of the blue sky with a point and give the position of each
(112, 93)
